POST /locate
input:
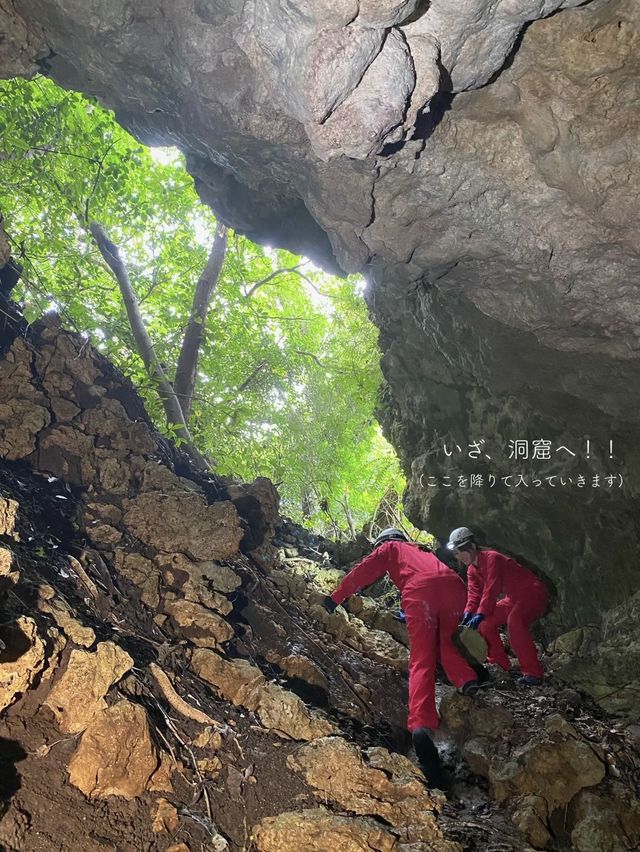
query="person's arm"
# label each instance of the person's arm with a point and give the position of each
(364, 574)
(474, 590)
(492, 584)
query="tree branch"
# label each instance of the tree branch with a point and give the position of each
(317, 360)
(185, 380)
(268, 278)
(95, 182)
(252, 375)
(143, 342)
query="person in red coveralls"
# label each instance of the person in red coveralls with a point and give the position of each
(490, 575)
(433, 598)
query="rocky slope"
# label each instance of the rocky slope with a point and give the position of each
(479, 161)
(170, 681)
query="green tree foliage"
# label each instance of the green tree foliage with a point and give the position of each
(289, 368)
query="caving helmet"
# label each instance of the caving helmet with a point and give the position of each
(460, 537)
(390, 534)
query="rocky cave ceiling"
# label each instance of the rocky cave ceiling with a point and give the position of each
(479, 161)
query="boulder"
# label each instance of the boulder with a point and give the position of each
(244, 684)
(65, 452)
(157, 477)
(467, 717)
(160, 781)
(61, 613)
(182, 521)
(319, 830)
(604, 662)
(23, 407)
(108, 420)
(234, 680)
(376, 644)
(258, 503)
(554, 771)
(78, 694)
(530, 818)
(300, 667)
(116, 756)
(605, 820)
(478, 753)
(178, 571)
(284, 713)
(200, 625)
(64, 410)
(142, 572)
(376, 783)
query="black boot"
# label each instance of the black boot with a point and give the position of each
(482, 672)
(428, 757)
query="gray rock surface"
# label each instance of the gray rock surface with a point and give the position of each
(480, 160)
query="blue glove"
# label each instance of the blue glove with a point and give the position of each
(466, 618)
(474, 622)
(399, 615)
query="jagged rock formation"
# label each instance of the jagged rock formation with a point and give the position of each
(485, 176)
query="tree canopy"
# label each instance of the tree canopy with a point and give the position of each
(288, 373)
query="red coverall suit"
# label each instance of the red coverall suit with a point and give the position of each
(525, 599)
(433, 598)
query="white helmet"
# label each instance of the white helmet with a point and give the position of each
(459, 537)
(390, 534)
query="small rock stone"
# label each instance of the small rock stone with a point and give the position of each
(73, 629)
(165, 817)
(531, 819)
(9, 574)
(8, 515)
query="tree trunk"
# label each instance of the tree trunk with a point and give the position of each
(144, 344)
(186, 370)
